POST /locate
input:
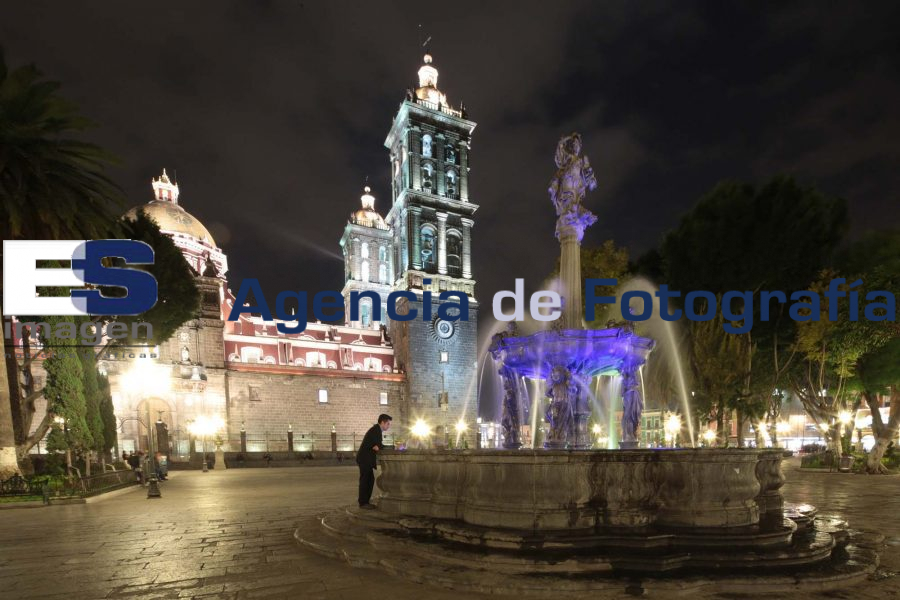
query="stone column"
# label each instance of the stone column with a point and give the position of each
(570, 235)
(467, 248)
(581, 440)
(415, 147)
(414, 236)
(463, 171)
(442, 243)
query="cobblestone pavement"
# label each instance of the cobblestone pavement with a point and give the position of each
(229, 534)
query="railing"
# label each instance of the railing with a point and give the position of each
(438, 107)
(47, 487)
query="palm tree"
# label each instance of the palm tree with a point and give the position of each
(51, 186)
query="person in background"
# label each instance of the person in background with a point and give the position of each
(134, 461)
(162, 466)
(367, 458)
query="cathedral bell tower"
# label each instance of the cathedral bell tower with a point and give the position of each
(367, 246)
(431, 220)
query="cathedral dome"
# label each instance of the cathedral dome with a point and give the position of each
(367, 216)
(169, 215)
(171, 218)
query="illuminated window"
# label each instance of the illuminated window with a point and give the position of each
(426, 146)
(315, 359)
(451, 182)
(445, 356)
(428, 249)
(427, 172)
(383, 398)
(382, 253)
(454, 254)
(250, 354)
(366, 317)
(382, 273)
(364, 251)
(365, 271)
(323, 396)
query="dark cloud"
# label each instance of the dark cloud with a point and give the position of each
(272, 114)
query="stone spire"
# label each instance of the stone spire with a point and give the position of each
(164, 189)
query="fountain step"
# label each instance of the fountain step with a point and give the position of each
(748, 537)
(540, 574)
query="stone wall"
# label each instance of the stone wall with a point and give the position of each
(417, 350)
(264, 400)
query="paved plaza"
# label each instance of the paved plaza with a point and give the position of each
(229, 534)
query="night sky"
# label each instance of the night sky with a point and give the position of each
(272, 114)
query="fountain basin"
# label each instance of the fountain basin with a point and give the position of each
(590, 352)
(583, 491)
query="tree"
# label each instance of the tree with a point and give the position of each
(52, 186)
(108, 416)
(736, 238)
(178, 301)
(64, 392)
(178, 298)
(876, 260)
(718, 362)
(9, 466)
(878, 372)
(92, 401)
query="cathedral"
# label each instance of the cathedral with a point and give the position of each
(256, 389)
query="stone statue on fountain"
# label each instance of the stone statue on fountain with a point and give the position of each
(510, 419)
(562, 391)
(574, 178)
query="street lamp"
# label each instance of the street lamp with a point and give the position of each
(673, 427)
(421, 430)
(710, 436)
(202, 427)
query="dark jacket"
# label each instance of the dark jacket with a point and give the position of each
(134, 461)
(366, 457)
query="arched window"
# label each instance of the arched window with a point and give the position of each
(382, 253)
(427, 173)
(450, 154)
(250, 354)
(428, 248)
(315, 359)
(426, 146)
(382, 273)
(365, 318)
(454, 254)
(451, 182)
(364, 251)
(365, 271)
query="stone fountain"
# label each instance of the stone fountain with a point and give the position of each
(566, 520)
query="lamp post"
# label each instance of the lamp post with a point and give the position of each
(673, 427)
(203, 427)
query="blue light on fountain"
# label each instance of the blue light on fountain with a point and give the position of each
(568, 356)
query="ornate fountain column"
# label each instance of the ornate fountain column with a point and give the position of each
(510, 420)
(574, 177)
(632, 406)
(582, 414)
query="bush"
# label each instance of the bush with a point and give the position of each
(812, 448)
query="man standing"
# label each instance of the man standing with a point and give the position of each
(366, 458)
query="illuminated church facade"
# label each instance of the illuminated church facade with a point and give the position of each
(252, 385)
